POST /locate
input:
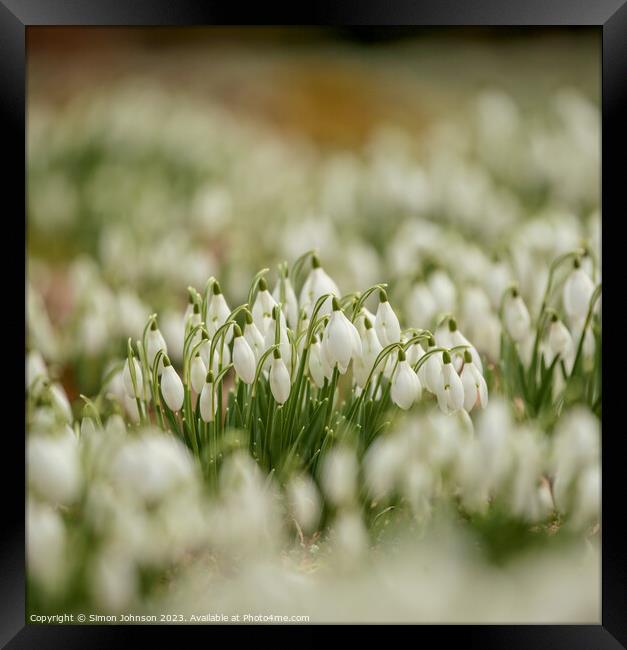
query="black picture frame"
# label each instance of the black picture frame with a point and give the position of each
(610, 16)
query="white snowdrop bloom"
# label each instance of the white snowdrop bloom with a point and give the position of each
(451, 393)
(113, 581)
(414, 352)
(317, 284)
(115, 425)
(35, 368)
(208, 399)
(339, 475)
(475, 387)
(516, 316)
(456, 339)
(360, 321)
(284, 293)
(383, 463)
(494, 431)
(587, 501)
(386, 322)
(341, 340)
(54, 471)
(128, 379)
(243, 358)
(263, 308)
(254, 337)
(317, 367)
(204, 349)
(524, 498)
(173, 328)
(172, 387)
(284, 341)
(576, 445)
(349, 536)
(46, 546)
(197, 373)
(430, 372)
(496, 281)
(279, 379)
(560, 342)
(578, 290)
(421, 306)
(443, 291)
(131, 408)
(304, 501)
(406, 388)
(370, 349)
(218, 313)
(418, 483)
(88, 427)
(61, 402)
(442, 335)
(154, 343)
(151, 465)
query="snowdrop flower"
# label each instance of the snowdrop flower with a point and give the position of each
(341, 341)
(254, 337)
(370, 349)
(560, 342)
(46, 545)
(198, 372)
(128, 379)
(456, 339)
(208, 402)
(35, 368)
(279, 378)
(243, 358)
(443, 291)
(304, 501)
(578, 290)
(54, 470)
(430, 372)
(318, 367)
(154, 343)
(284, 341)
(386, 322)
(284, 293)
(475, 388)
(496, 282)
(516, 316)
(421, 305)
(317, 284)
(172, 386)
(263, 307)
(339, 475)
(406, 388)
(451, 393)
(218, 313)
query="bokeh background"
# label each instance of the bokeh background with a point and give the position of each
(445, 162)
(157, 157)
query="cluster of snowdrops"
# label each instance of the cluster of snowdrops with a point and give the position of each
(309, 416)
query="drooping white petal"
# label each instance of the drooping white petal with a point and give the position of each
(198, 372)
(279, 380)
(244, 360)
(386, 324)
(208, 403)
(172, 388)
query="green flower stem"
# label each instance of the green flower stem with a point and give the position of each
(364, 296)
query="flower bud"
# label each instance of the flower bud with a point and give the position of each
(386, 322)
(171, 387)
(279, 379)
(243, 358)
